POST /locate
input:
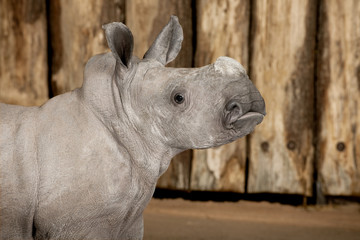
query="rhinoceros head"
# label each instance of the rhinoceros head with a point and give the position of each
(184, 107)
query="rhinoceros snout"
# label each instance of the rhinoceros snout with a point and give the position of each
(244, 112)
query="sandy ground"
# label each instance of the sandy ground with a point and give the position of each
(183, 219)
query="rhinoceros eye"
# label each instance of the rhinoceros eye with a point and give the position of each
(179, 98)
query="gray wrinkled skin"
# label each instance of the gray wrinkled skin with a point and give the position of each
(85, 164)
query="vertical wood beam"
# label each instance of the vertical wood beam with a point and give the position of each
(76, 35)
(282, 67)
(338, 94)
(222, 30)
(23, 52)
(147, 18)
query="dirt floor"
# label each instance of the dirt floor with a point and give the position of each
(183, 219)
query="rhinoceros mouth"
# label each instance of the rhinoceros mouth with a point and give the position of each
(249, 119)
(247, 122)
(241, 122)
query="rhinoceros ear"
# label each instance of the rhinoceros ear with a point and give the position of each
(120, 41)
(167, 45)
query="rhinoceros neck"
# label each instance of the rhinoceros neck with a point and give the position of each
(102, 96)
(147, 152)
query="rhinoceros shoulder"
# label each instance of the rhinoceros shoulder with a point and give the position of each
(99, 67)
(14, 115)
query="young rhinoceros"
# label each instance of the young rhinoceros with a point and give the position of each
(85, 164)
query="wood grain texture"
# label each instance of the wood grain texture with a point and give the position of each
(282, 66)
(222, 30)
(76, 35)
(23, 52)
(177, 176)
(219, 169)
(338, 94)
(146, 19)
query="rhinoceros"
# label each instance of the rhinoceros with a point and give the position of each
(85, 164)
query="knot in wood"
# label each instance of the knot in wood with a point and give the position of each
(291, 145)
(340, 146)
(264, 146)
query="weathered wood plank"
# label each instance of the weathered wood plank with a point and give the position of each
(23, 48)
(282, 66)
(146, 19)
(222, 30)
(177, 176)
(338, 94)
(219, 169)
(76, 35)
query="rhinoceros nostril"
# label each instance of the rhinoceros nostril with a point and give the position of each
(233, 112)
(233, 105)
(244, 112)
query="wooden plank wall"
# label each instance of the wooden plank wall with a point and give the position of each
(282, 153)
(303, 55)
(222, 30)
(75, 36)
(338, 98)
(23, 52)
